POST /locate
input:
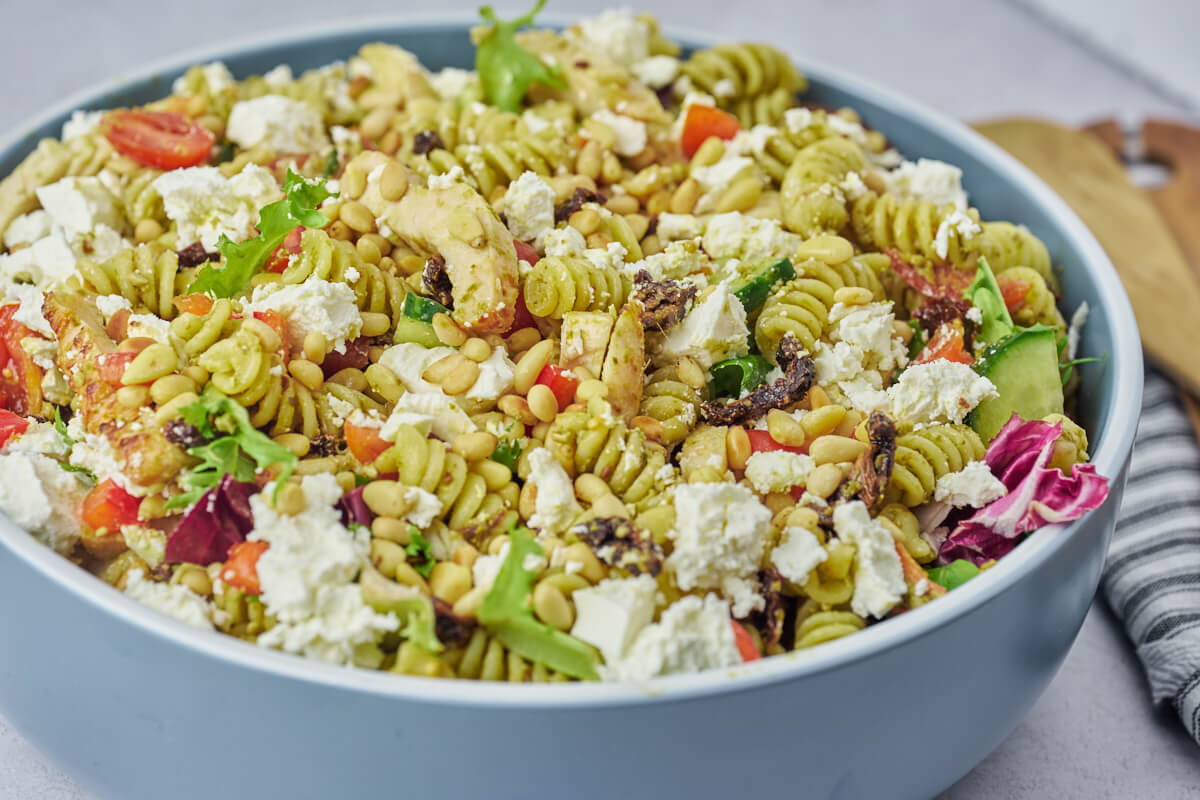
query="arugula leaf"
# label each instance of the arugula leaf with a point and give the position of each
(506, 614)
(506, 70)
(419, 548)
(84, 471)
(237, 447)
(954, 574)
(735, 377)
(508, 453)
(984, 293)
(241, 260)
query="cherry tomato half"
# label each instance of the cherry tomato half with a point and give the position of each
(161, 139)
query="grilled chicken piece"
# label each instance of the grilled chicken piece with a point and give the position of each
(142, 452)
(625, 363)
(457, 224)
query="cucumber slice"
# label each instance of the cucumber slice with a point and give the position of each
(421, 309)
(754, 292)
(411, 330)
(1024, 369)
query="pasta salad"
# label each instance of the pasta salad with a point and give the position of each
(598, 361)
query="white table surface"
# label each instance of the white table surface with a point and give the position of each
(1094, 733)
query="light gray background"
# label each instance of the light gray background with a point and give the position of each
(1094, 733)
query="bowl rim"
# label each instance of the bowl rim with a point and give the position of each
(1110, 456)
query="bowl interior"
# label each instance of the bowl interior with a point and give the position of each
(1108, 401)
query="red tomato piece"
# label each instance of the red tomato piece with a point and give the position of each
(278, 260)
(109, 506)
(20, 378)
(525, 252)
(198, 304)
(241, 566)
(1014, 291)
(946, 343)
(364, 442)
(743, 640)
(276, 322)
(357, 355)
(761, 442)
(703, 122)
(113, 365)
(161, 139)
(561, 382)
(522, 318)
(11, 425)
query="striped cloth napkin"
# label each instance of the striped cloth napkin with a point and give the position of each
(1152, 576)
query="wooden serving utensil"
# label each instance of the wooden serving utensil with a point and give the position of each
(1150, 237)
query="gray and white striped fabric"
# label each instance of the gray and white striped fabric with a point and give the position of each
(1152, 577)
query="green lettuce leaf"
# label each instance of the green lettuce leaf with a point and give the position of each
(237, 447)
(954, 574)
(984, 293)
(241, 260)
(506, 70)
(506, 614)
(508, 453)
(735, 377)
(419, 552)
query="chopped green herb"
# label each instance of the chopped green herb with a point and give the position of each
(331, 164)
(506, 613)
(917, 343)
(419, 552)
(360, 480)
(237, 447)
(735, 377)
(61, 428)
(508, 453)
(241, 260)
(506, 70)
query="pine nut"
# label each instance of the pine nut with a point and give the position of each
(477, 350)
(638, 224)
(393, 182)
(516, 406)
(495, 475)
(784, 428)
(650, 427)
(741, 195)
(465, 555)
(622, 204)
(449, 581)
(350, 377)
(610, 506)
(387, 498)
(147, 230)
(197, 373)
(315, 346)
(196, 579)
(685, 197)
(591, 487)
(585, 220)
(340, 231)
(475, 446)
(462, 378)
(151, 364)
(296, 443)
(593, 571)
(590, 388)
(392, 529)
(357, 217)
(408, 576)
(802, 517)
(850, 423)
(531, 365)
(552, 607)
(527, 502)
(542, 402)
(132, 396)
(289, 500)
(447, 331)
(374, 323)
(817, 397)
(523, 339)
(354, 181)
(737, 447)
(822, 420)
(439, 370)
(307, 373)
(691, 373)
(902, 331)
(824, 480)
(369, 250)
(169, 386)
(832, 449)
(468, 605)
(853, 296)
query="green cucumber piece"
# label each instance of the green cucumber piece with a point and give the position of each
(1024, 369)
(421, 309)
(954, 574)
(734, 377)
(754, 292)
(411, 330)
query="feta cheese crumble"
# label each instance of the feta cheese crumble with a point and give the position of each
(719, 536)
(617, 34)
(279, 124)
(927, 179)
(611, 614)
(958, 222)
(974, 485)
(713, 330)
(694, 634)
(797, 554)
(749, 239)
(878, 576)
(204, 204)
(529, 207)
(43, 498)
(630, 133)
(555, 506)
(79, 205)
(777, 470)
(937, 392)
(174, 600)
(314, 306)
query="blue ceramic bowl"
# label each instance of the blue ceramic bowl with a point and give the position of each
(135, 705)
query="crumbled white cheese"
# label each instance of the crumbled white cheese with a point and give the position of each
(724, 88)
(307, 576)
(529, 207)
(859, 347)
(425, 507)
(715, 179)
(958, 222)
(27, 228)
(110, 304)
(565, 241)
(81, 123)
(936, 392)
(630, 133)
(215, 78)
(428, 412)
(679, 260)
(339, 410)
(777, 470)
(29, 310)
(42, 497)
(673, 227)
(612, 613)
(749, 239)
(719, 536)
(694, 634)
(495, 377)
(77, 205)
(975, 315)
(279, 124)
(447, 179)
(852, 186)
(927, 179)
(797, 554)
(313, 306)
(713, 330)
(150, 544)
(798, 120)
(974, 485)
(46, 263)
(204, 204)
(617, 34)
(39, 438)
(1078, 320)
(878, 576)
(278, 77)
(173, 599)
(555, 506)
(656, 71)
(451, 83)
(486, 567)
(94, 452)
(149, 326)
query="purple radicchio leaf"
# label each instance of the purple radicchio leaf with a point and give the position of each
(1037, 494)
(354, 508)
(220, 519)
